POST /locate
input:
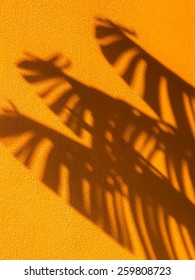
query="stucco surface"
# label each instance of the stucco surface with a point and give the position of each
(44, 221)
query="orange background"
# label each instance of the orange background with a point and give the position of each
(37, 223)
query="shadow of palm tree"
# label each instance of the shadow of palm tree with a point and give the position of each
(119, 47)
(116, 42)
(74, 102)
(118, 181)
(106, 182)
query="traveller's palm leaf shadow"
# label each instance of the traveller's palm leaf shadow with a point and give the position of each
(126, 55)
(110, 191)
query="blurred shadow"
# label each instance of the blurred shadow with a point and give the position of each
(117, 42)
(119, 48)
(86, 109)
(108, 183)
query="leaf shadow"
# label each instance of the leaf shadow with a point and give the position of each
(118, 46)
(107, 181)
(111, 184)
(111, 119)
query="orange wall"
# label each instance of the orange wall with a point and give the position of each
(35, 222)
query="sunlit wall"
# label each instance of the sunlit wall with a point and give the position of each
(97, 129)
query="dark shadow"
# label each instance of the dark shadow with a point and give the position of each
(118, 180)
(72, 100)
(109, 181)
(118, 46)
(116, 42)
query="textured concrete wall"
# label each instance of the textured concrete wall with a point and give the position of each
(41, 216)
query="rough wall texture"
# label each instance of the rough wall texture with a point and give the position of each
(96, 124)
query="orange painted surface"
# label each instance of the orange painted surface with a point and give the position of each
(97, 129)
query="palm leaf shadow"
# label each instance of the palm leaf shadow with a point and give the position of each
(114, 173)
(103, 175)
(117, 43)
(71, 100)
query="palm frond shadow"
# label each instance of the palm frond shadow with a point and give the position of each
(116, 186)
(107, 182)
(116, 42)
(80, 108)
(118, 46)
